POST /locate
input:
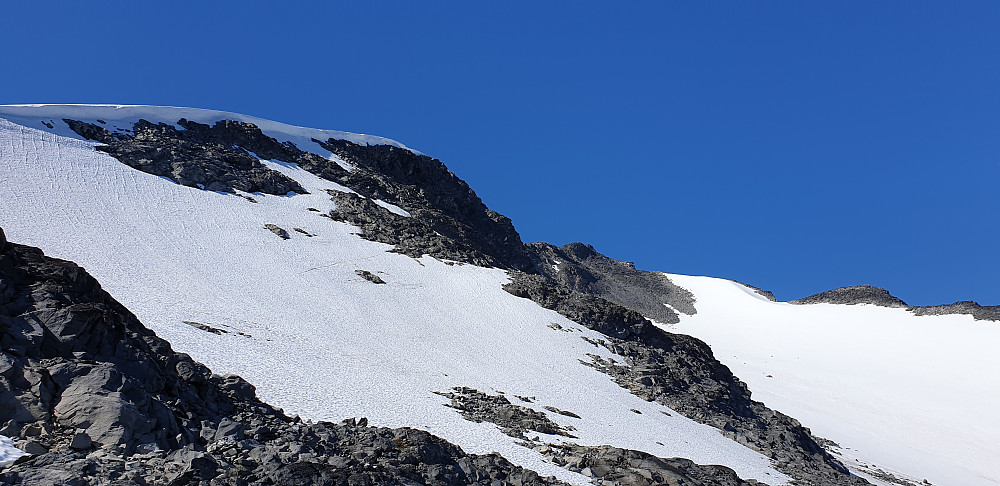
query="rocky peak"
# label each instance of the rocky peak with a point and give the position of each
(854, 294)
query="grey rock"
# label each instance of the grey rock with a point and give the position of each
(80, 441)
(278, 231)
(432, 194)
(33, 447)
(855, 294)
(581, 268)
(978, 312)
(371, 277)
(513, 420)
(867, 294)
(624, 467)
(194, 157)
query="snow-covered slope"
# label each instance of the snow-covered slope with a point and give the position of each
(913, 395)
(292, 316)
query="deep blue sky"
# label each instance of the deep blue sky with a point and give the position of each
(796, 146)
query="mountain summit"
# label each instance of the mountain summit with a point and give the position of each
(344, 275)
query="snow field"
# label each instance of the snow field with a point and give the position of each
(912, 395)
(324, 343)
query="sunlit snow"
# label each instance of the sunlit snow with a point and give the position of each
(8, 453)
(915, 396)
(323, 343)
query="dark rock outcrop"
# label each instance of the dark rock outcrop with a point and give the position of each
(431, 193)
(371, 277)
(978, 312)
(855, 294)
(97, 398)
(410, 236)
(867, 294)
(513, 420)
(188, 158)
(277, 230)
(612, 466)
(681, 372)
(581, 268)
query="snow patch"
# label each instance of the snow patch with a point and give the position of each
(8, 452)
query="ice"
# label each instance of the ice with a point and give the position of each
(9, 453)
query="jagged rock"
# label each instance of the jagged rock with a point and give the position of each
(191, 157)
(513, 420)
(978, 312)
(581, 268)
(612, 466)
(371, 277)
(431, 193)
(855, 294)
(277, 230)
(411, 236)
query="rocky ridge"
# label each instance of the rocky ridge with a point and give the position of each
(868, 294)
(97, 398)
(580, 267)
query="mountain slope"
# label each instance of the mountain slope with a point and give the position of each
(315, 289)
(315, 338)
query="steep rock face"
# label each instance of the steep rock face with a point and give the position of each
(76, 360)
(84, 386)
(432, 193)
(681, 372)
(581, 268)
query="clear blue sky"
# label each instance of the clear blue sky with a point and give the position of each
(797, 146)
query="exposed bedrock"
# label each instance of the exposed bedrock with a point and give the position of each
(613, 466)
(430, 192)
(867, 294)
(855, 294)
(681, 372)
(188, 158)
(96, 398)
(581, 268)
